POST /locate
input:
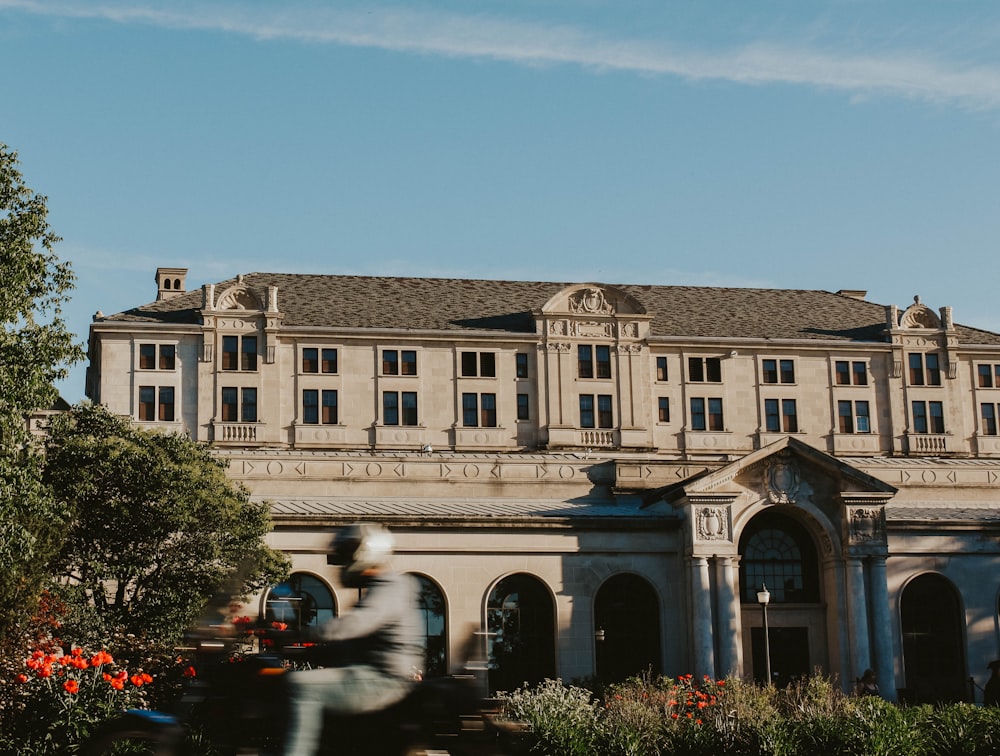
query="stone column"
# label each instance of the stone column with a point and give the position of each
(882, 629)
(727, 615)
(857, 611)
(701, 601)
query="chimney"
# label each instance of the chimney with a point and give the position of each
(853, 293)
(170, 282)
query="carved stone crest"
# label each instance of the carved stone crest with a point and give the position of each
(712, 524)
(867, 525)
(919, 315)
(782, 480)
(590, 301)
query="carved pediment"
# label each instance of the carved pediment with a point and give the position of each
(593, 300)
(919, 315)
(239, 297)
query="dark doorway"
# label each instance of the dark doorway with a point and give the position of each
(933, 649)
(520, 624)
(627, 628)
(789, 654)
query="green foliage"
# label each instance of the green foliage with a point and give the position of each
(35, 349)
(156, 527)
(733, 718)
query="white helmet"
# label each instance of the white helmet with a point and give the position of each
(359, 548)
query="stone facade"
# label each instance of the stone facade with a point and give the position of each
(592, 479)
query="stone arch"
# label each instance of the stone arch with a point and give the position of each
(239, 297)
(589, 299)
(932, 626)
(919, 315)
(520, 620)
(627, 627)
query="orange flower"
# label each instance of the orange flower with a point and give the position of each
(79, 662)
(76, 652)
(101, 657)
(45, 670)
(22, 678)
(279, 625)
(71, 686)
(137, 680)
(147, 678)
(117, 684)
(697, 721)
(190, 672)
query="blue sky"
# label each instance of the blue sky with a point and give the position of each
(850, 144)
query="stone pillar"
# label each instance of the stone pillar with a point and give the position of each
(857, 611)
(882, 629)
(727, 617)
(701, 602)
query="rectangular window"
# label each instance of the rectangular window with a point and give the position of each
(408, 362)
(605, 419)
(842, 371)
(925, 369)
(147, 356)
(168, 355)
(988, 414)
(780, 416)
(772, 418)
(481, 364)
(165, 408)
(859, 373)
(310, 406)
(585, 362)
(989, 376)
(310, 360)
(770, 371)
(488, 411)
(702, 369)
(523, 407)
(390, 362)
(470, 410)
(778, 371)
(330, 414)
(862, 417)
(329, 363)
(399, 408)
(249, 353)
(712, 420)
(593, 361)
(663, 414)
(248, 412)
(587, 411)
(789, 416)
(661, 368)
(147, 403)
(787, 371)
(230, 353)
(230, 405)
(603, 361)
(845, 415)
(928, 417)
(521, 365)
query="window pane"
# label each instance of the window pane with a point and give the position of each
(470, 410)
(167, 356)
(166, 409)
(522, 407)
(845, 417)
(698, 414)
(713, 369)
(937, 417)
(409, 408)
(329, 361)
(861, 409)
(409, 360)
(916, 370)
(521, 364)
(489, 413)
(468, 363)
(933, 370)
(147, 356)
(390, 362)
(919, 417)
(696, 369)
(310, 406)
(488, 365)
(586, 410)
(715, 420)
(390, 408)
(860, 374)
(790, 420)
(229, 405)
(603, 362)
(604, 417)
(330, 408)
(661, 368)
(249, 352)
(585, 361)
(770, 371)
(989, 420)
(249, 409)
(310, 360)
(772, 422)
(147, 400)
(787, 371)
(664, 409)
(843, 376)
(230, 357)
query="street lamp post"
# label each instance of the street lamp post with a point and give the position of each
(764, 598)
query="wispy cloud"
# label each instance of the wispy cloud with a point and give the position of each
(912, 75)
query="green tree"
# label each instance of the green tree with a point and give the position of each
(35, 350)
(156, 525)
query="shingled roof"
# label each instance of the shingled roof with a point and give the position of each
(448, 304)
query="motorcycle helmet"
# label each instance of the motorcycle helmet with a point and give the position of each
(359, 548)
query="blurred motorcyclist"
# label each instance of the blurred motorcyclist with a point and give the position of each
(381, 642)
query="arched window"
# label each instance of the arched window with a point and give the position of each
(432, 609)
(301, 601)
(520, 624)
(778, 552)
(933, 648)
(627, 628)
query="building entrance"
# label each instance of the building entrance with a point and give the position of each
(789, 654)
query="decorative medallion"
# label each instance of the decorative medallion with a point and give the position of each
(712, 524)
(590, 301)
(782, 480)
(867, 525)
(919, 315)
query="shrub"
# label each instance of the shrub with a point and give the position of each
(562, 717)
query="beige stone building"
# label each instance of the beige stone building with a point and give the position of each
(596, 479)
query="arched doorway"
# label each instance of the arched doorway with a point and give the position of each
(520, 640)
(432, 609)
(933, 647)
(627, 628)
(302, 601)
(777, 551)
